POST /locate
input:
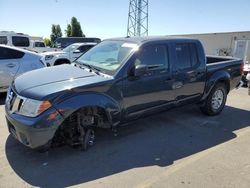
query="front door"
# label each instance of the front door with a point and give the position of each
(152, 89)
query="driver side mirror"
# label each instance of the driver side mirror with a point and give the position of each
(76, 52)
(138, 70)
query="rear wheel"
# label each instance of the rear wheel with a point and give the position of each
(215, 101)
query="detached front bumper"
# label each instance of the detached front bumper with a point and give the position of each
(34, 132)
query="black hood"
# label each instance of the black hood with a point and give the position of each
(42, 82)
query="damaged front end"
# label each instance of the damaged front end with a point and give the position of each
(79, 128)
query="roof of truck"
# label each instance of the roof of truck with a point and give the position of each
(84, 43)
(152, 39)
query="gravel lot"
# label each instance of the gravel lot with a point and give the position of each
(176, 148)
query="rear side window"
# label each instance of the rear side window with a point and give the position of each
(6, 53)
(3, 40)
(20, 41)
(154, 56)
(186, 55)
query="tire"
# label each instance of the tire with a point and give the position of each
(215, 101)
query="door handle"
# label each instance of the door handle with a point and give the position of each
(168, 79)
(176, 72)
(10, 65)
(199, 73)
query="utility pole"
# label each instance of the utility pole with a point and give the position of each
(138, 18)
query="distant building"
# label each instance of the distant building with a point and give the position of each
(225, 44)
(36, 38)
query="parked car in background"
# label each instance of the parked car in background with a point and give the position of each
(246, 70)
(63, 42)
(67, 55)
(20, 40)
(11, 38)
(40, 47)
(15, 61)
(116, 81)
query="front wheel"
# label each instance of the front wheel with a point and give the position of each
(215, 101)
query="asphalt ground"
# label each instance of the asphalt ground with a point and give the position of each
(177, 148)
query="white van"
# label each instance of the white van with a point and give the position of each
(11, 38)
(24, 41)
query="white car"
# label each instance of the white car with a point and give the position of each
(67, 55)
(40, 47)
(15, 61)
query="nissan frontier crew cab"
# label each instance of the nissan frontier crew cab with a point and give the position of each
(114, 82)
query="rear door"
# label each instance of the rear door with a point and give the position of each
(9, 65)
(189, 72)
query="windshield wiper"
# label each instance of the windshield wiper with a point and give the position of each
(90, 67)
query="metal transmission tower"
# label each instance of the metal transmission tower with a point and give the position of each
(138, 18)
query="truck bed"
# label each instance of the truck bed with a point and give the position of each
(229, 64)
(223, 62)
(215, 59)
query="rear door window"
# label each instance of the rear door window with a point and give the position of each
(6, 53)
(186, 55)
(3, 40)
(193, 54)
(20, 41)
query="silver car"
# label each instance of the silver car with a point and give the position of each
(15, 61)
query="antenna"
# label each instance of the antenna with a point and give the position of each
(138, 18)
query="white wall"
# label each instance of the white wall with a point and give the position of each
(221, 43)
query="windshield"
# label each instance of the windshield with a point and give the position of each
(39, 44)
(71, 48)
(108, 56)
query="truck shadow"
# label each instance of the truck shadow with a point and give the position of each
(156, 140)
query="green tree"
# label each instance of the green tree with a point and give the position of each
(47, 42)
(76, 30)
(68, 30)
(56, 32)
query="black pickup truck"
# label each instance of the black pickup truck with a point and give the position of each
(116, 81)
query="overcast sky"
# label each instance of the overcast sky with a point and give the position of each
(108, 18)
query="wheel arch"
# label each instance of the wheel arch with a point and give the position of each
(73, 104)
(222, 77)
(57, 62)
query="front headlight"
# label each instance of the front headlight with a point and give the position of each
(33, 108)
(48, 57)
